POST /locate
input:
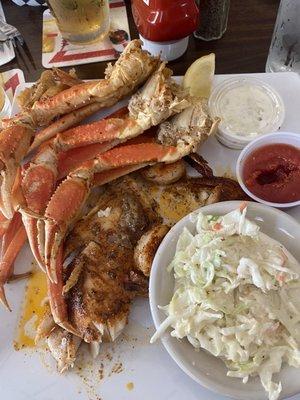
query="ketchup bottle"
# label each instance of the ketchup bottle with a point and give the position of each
(165, 25)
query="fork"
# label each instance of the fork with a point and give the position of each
(19, 44)
(10, 33)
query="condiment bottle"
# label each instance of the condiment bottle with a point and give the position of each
(165, 25)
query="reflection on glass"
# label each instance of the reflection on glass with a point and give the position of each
(284, 53)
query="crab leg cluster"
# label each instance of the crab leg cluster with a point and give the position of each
(131, 70)
(92, 143)
(187, 131)
(162, 124)
(66, 103)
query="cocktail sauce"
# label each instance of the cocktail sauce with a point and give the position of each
(272, 173)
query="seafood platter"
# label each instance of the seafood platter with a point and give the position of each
(104, 186)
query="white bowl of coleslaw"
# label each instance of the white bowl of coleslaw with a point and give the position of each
(210, 370)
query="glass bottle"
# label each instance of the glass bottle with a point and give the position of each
(213, 19)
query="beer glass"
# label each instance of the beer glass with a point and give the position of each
(81, 21)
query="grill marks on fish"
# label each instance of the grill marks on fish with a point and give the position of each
(108, 281)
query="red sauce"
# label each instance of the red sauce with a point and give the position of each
(165, 20)
(272, 173)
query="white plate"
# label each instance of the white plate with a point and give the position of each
(204, 368)
(153, 373)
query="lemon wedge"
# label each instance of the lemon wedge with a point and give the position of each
(199, 76)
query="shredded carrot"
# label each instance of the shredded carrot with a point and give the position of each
(280, 277)
(243, 205)
(217, 226)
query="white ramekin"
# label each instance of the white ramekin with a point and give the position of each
(290, 138)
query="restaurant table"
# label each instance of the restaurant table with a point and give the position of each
(243, 48)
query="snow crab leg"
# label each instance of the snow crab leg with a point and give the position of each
(175, 140)
(131, 70)
(14, 142)
(159, 99)
(12, 242)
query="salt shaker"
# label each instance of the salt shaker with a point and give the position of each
(213, 21)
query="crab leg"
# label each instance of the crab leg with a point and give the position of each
(160, 98)
(71, 158)
(131, 70)
(13, 226)
(160, 94)
(39, 180)
(57, 302)
(69, 120)
(38, 184)
(14, 142)
(188, 129)
(4, 223)
(8, 258)
(61, 214)
(65, 122)
(104, 177)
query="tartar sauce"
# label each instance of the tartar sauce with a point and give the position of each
(248, 108)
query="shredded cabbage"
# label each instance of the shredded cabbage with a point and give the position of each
(236, 296)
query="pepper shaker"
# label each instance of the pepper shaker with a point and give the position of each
(213, 21)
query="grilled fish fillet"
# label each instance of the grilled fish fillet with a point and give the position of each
(115, 244)
(106, 279)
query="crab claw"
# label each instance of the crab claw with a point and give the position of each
(63, 209)
(14, 143)
(38, 184)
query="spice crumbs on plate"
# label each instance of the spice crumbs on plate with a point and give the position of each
(129, 386)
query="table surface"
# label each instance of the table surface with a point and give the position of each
(244, 47)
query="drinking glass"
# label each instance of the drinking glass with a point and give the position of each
(284, 53)
(213, 19)
(81, 21)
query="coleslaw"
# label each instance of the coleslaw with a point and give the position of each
(236, 296)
